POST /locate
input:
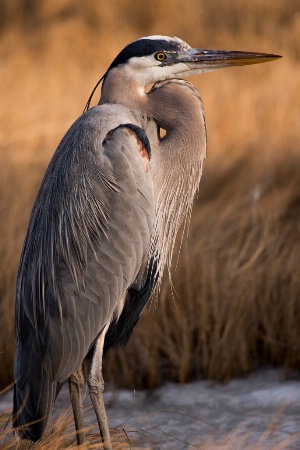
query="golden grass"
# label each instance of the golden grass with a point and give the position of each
(236, 304)
(60, 435)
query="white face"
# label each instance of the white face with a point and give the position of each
(146, 70)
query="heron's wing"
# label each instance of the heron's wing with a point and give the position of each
(86, 245)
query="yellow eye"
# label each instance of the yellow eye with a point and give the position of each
(160, 56)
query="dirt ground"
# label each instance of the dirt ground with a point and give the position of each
(258, 412)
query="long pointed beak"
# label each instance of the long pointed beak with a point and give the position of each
(199, 60)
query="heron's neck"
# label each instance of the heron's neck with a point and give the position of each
(176, 163)
(123, 90)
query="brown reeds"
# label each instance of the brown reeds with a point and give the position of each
(235, 303)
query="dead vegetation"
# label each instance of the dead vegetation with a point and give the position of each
(146, 433)
(235, 303)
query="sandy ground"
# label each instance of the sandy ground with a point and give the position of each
(259, 412)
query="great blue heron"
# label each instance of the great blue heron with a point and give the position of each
(104, 223)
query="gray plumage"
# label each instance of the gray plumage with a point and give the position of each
(75, 253)
(104, 224)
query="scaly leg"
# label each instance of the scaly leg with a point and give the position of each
(76, 383)
(96, 388)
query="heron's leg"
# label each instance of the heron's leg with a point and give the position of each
(96, 389)
(76, 383)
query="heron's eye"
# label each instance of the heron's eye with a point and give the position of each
(160, 56)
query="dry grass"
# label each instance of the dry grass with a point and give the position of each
(144, 434)
(60, 434)
(237, 281)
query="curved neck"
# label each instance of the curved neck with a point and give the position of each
(176, 160)
(176, 164)
(174, 105)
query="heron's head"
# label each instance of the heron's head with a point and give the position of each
(157, 58)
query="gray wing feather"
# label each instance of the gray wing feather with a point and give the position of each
(87, 244)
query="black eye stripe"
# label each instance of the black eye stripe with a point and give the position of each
(145, 47)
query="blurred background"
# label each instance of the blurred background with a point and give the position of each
(235, 303)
